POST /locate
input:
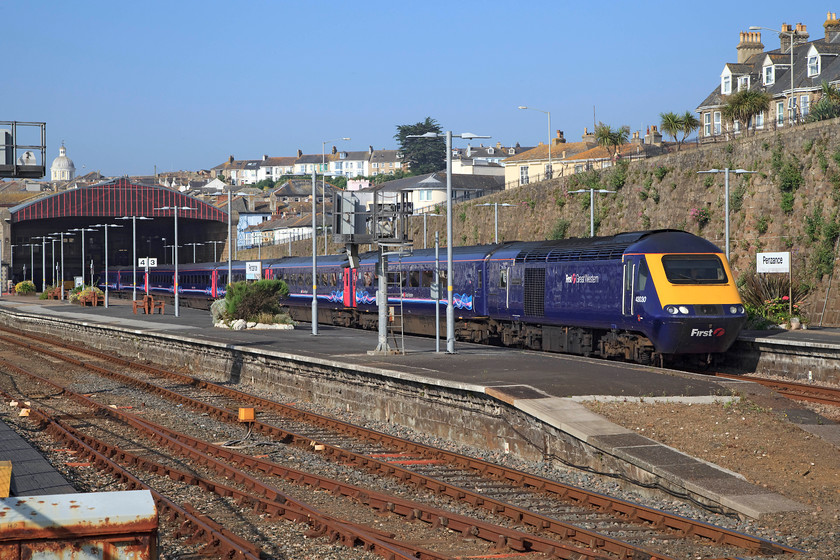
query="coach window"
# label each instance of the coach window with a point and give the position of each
(428, 278)
(307, 279)
(414, 279)
(694, 269)
(503, 277)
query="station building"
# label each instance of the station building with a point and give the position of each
(69, 226)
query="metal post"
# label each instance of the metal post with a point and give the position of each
(450, 310)
(437, 292)
(134, 258)
(175, 257)
(43, 263)
(726, 207)
(106, 267)
(62, 266)
(591, 212)
(314, 257)
(496, 222)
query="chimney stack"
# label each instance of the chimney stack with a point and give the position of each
(560, 139)
(653, 137)
(832, 28)
(749, 44)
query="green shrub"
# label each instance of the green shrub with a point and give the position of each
(761, 225)
(660, 172)
(561, 228)
(247, 300)
(25, 287)
(787, 202)
(708, 181)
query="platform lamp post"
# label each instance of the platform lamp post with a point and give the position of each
(215, 245)
(450, 310)
(791, 34)
(175, 249)
(324, 187)
(194, 245)
(314, 257)
(31, 261)
(44, 239)
(495, 206)
(83, 230)
(425, 218)
(726, 173)
(107, 282)
(550, 172)
(61, 274)
(591, 205)
(134, 252)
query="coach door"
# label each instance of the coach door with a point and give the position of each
(629, 283)
(349, 278)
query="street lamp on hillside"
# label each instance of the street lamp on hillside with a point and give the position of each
(591, 206)
(550, 171)
(791, 34)
(495, 206)
(726, 173)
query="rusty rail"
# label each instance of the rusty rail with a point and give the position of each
(628, 510)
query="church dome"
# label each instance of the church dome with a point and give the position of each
(62, 168)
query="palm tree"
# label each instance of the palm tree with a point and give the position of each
(744, 105)
(671, 124)
(690, 124)
(611, 139)
(828, 106)
(831, 92)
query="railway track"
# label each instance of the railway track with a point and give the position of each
(794, 390)
(590, 524)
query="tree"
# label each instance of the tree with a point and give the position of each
(690, 124)
(423, 155)
(828, 107)
(611, 139)
(672, 125)
(745, 104)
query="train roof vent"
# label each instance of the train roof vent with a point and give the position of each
(588, 252)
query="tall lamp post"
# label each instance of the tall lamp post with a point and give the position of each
(495, 206)
(175, 249)
(425, 216)
(324, 187)
(44, 239)
(726, 173)
(134, 252)
(61, 275)
(550, 172)
(194, 245)
(215, 245)
(791, 34)
(107, 280)
(450, 310)
(591, 206)
(83, 230)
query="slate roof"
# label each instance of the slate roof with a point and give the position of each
(541, 152)
(437, 181)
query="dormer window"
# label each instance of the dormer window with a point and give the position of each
(726, 85)
(743, 83)
(769, 75)
(813, 65)
(489, 151)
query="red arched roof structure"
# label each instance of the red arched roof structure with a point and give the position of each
(116, 198)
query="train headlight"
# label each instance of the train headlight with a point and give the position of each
(683, 309)
(736, 309)
(671, 309)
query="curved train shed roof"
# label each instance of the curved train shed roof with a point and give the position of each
(116, 198)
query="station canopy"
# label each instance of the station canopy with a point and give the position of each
(116, 198)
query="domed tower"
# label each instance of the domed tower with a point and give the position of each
(62, 168)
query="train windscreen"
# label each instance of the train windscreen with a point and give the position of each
(694, 269)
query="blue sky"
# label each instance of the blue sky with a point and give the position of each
(181, 85)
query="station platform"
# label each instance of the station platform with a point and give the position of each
(32, 474)
(543, 385)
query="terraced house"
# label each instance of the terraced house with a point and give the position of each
(792, 75)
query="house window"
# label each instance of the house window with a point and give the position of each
(736, 126)
(425, 195)
(780, 113)
(792, 108)
(579, 168)
(717, 123)
(338, 165)
(726, 85)
(548, 171)
(813, 65)
(707, 124)
(523, 175)
(375, 166)
(743, 83)
(759, 120)
(769, 75)
(805, 103)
